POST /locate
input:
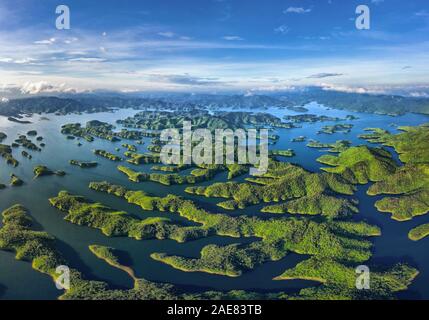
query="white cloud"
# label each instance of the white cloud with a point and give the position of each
(4, 100)
(233, 38)
(422, 13)
(419, 94)
(283, 29)
(71, 40)
(47, 41)
(298, 10)
(166, 34)
(87, 59)
(6, 60)
(45, 87)
(25, 61)
(352, 89)
(18, 61)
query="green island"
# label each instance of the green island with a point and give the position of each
(282, 153)
(26, 154)
(197, 175)
(83, 164)
(298, 109)
(171, 168)
(6, 153)
(26, 143)
(93, 128)
(109, 255)
(130, 147)
(32, 133)
(410, 182)
(16, 120)
(324, 205)
(283, 181)
(142, 158)
(107, 155)
(15, 181)
(299, 139)
(338, 146)
(360, 164)
(40, 171)
(339, 281)
(343, 128)
(419, 232)
(309, 118)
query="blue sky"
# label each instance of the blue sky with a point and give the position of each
(214, 46)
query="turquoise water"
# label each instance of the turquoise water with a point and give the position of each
(19, 281)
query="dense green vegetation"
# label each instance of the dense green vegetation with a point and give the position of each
(360, 164)
(283, 153)
(112, 222)
(171, 168)
(39, 248)
(411, 181)
(159, 120)
(130, 147)
(309, 118)
(231, 260)
(283, 181)
(93, 128)
(142, 158)
(107, 155)
(339, 280)
(40, 171)
(197, 175)
(344, 128)
(328, 206)
(419, 232)
(338, 245)
(333, 244)
(278, 235)
(338, 146)
(412, 144)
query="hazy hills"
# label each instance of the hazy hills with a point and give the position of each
(383, 104)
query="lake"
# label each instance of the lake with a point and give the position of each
(19, 281)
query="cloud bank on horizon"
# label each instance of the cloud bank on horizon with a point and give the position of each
(214, 46)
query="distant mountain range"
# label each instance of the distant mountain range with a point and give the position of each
(383, 104)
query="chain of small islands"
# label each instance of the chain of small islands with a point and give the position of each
(312, 211)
